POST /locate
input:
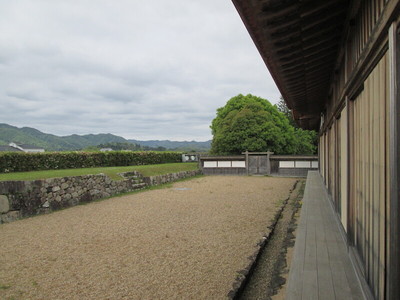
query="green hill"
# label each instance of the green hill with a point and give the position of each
(50, 142)
(182, 146)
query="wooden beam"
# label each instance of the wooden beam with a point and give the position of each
(284, 34)
(320, 68)
(292, 82)
(284, 44)
(282, 22)
(322, 17)
(304, 57)
(314, 6)
(317, 34)
(311, 87)
(295, 87)
(326, 56)
(322, 40)
(285, 52)
(321, 77)
(294, 78)
(297, 94)
(292, 67)
(291, 59)
(320, 27)
(323, 50)
(280, 8)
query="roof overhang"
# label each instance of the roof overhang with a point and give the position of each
(299, 42)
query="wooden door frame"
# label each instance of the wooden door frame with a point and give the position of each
(350, 173)
(393, 261)
(338, 158)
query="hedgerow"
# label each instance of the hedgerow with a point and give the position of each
(22, 162)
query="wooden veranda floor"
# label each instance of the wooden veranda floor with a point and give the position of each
(321, 267)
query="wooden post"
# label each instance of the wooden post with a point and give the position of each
(247, 162)
(269, 162)
(393, 261)
(199, 162)
(350, 234)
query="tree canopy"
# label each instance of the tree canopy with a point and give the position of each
(254, 124)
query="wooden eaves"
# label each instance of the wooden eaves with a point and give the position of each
(299, 42)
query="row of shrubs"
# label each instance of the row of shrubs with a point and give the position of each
(20, 162)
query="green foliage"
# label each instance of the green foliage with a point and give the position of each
(19, 162)
(282, 107)
(306, 140)
(254, 124)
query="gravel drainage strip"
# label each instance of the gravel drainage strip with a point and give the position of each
(263, 276)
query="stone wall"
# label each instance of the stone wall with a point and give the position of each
(20, 199)
(161, 179)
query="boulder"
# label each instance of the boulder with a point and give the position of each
(4, 204)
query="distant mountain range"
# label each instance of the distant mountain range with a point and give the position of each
(187, 146)
(50, 142)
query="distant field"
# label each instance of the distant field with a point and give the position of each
(112, 172)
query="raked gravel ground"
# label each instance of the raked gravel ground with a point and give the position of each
(184, 242)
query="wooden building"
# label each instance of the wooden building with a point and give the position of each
(337, 65)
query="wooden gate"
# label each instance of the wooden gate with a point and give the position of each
(258, 164)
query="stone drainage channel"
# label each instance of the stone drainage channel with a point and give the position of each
(267, 272)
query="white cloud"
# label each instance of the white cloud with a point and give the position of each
(140, 69)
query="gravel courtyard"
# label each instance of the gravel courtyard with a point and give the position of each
(184, 242)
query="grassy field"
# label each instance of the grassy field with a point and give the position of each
(112, 172)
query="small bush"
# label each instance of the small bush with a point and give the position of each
(22, 162)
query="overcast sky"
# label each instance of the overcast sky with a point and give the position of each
(141, 69)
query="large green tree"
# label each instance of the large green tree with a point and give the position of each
(254, 124)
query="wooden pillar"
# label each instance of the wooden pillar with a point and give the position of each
(393, 261)
(199, 163)
(247, 162)
(269, 162)
(350, 234)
